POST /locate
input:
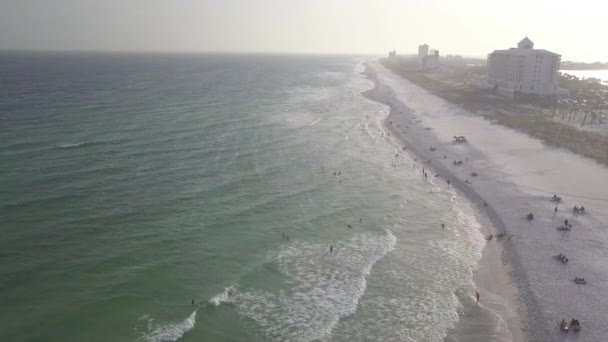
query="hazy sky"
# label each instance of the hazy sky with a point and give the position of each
(576, 29)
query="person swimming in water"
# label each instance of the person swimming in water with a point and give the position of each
(443, 225)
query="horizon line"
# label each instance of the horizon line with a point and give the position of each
(235, 52)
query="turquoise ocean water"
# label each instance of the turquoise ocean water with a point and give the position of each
(133, 184)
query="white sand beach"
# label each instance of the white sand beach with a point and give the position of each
(516, 175)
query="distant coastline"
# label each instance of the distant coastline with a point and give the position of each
(601, 74)
(583, 66)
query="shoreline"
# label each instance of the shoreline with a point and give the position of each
(497, 284)
(516, 174)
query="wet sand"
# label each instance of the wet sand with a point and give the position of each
(516, 175)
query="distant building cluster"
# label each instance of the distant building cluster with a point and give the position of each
(524, 70)
(428, 60)
(453, 57)
(392, 54)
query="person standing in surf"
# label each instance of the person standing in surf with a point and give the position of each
(477, 297)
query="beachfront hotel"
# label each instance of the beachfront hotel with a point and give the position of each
(426, 60)
(423, 50)
(524, 70)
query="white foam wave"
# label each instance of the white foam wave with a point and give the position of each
(169, 332)
(70, 145)
(316, 121)
(472, 229)
(224, 297)
(323, 287)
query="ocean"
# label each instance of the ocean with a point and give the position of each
(197, 198)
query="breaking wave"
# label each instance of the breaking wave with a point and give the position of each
(322, 287)
(168, 332)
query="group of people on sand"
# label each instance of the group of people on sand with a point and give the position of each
(498, 236)
(564, 326)
(574, 325)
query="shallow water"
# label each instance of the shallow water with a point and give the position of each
(133, 184)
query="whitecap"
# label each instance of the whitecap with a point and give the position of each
(168, 332)
(316, 121)
(223, 297)
(70, 145)
(322, 287)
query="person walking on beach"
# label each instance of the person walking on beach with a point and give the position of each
(477, 297)
(555, 208)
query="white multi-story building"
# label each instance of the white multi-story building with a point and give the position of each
(423, 50)
(524, 70)
(427, 60)
(431, 61)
